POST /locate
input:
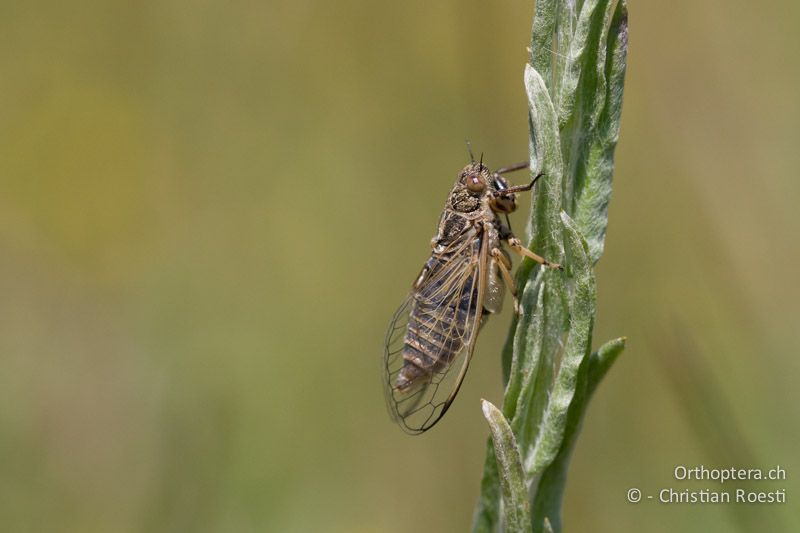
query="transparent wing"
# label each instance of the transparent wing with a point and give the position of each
(431, 337)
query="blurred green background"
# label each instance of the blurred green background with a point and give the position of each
(209, 212)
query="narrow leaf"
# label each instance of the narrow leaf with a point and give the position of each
(601, 361)
(524, 409)
(548, 502)
(566, 21)
(581, 309)
(545, 157)
(515, 493)
(582, 95)
(580, 68)
(487, 511)
(523, 366)
(546, 240)
(524, 361)
(591, 212)
(544, 25)
(550, 316)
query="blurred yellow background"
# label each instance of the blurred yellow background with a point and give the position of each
(209, 212)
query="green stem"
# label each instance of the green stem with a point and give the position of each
(574, 84)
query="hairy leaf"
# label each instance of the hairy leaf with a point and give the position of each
(512, 479)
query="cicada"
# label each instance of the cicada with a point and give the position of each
(432, 335)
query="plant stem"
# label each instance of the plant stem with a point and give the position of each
(574, 85)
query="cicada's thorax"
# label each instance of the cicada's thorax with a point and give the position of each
(468, 230)
(475, 216)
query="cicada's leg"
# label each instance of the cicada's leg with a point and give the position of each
(516, 245)
(504, 265)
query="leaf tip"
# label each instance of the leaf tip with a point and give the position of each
(486, 407)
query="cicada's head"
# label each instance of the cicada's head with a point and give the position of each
(476, 178)
(476, 182)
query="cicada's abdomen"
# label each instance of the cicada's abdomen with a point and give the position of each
(435, 334)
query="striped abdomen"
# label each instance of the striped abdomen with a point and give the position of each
(437, 326)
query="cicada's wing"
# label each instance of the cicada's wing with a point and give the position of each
(432, 335)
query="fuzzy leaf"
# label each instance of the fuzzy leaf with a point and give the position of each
(552, 482)
(487, 511)
(515, 492)
(550, 318)
(591, 206)
(581, 308)
(545, 157)
(523, 372)
(544, 27)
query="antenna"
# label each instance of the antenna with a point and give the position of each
(469, 150)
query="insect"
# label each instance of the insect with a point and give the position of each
(432, 335)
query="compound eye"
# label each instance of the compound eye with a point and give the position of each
(476, 183)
